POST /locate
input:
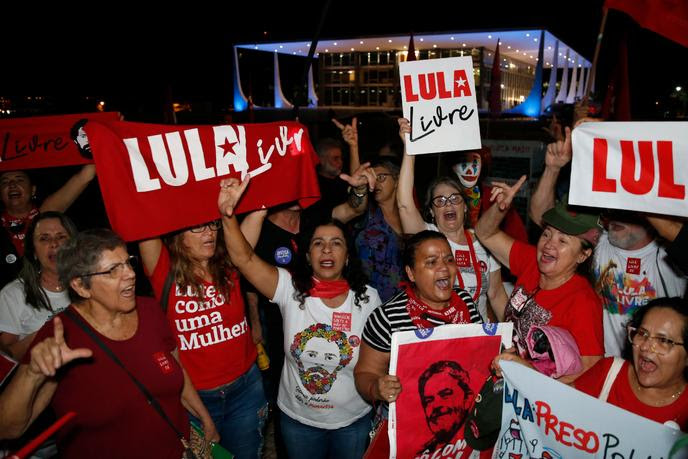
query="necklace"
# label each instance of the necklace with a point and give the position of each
(55, 287)
(668, 400)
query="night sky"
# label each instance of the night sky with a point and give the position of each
(128, 55)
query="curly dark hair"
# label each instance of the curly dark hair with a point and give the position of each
(677, 304)
(302, 277)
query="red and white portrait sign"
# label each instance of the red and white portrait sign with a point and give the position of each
(441, 370)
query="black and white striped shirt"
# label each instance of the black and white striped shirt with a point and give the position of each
(393, 317)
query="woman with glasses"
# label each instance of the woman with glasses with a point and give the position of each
(324, 305)
(549, 290)
(445, 211)
(19, 207)
(200, 291)
(651, 378)
(29, 301)
(67, 369)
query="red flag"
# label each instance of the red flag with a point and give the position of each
(411, 56)
(668, 18)
(617, 101)
(159, 178)
(496, 85)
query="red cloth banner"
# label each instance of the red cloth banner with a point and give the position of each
(668, 18)
(156, 179)
(45, 141)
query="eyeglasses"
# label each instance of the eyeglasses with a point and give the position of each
(214, 226)
(382, 177)
(660, 345)
(117, 269)
(441, 201)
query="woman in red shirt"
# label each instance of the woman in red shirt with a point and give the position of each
(653, 375)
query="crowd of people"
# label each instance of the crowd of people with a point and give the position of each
(324, 289)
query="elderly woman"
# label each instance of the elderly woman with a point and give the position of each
(324, 306)
(69, 371)
(18, 195)
(29, 301)
(429, 300)
(651, 378)
(548, 290)
(478, 272)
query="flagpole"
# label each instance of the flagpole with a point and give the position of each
(591, 76)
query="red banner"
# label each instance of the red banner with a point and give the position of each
(160, 178)
(668, 18)
(46, 141)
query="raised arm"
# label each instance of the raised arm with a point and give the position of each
(350, 135)
(262, 275)
(487, 228)
(557, 156)
(33, 386)
(360, 182)
(411, 219)
(65, 196)
(150, 253)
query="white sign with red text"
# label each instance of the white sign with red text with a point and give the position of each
(438, 98)
(634, 166)
(543, 418)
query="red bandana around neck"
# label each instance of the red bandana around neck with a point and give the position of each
(17, 228)
(456, 313)
(328, 289)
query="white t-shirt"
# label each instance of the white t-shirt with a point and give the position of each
(627, 280)
(18, 318)
(487, 262)
(321, 346)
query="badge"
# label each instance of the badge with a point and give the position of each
(163, 362)
(463, 258)
(283, 255)
(633, 266)
(341, 321)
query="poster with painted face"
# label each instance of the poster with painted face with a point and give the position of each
(441, 370)
(438, 99)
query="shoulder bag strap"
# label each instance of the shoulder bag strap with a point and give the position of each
(611, 377)
(151, 400)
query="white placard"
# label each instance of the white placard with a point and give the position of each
(634, 166)
(438, 98)
(542, 417)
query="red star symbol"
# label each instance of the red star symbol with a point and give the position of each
(228, 147)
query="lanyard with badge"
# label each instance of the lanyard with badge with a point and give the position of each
(461, 261)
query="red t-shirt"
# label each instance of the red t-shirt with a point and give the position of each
(573, 306)
(622, 395)
(114, 419)
(213, 336)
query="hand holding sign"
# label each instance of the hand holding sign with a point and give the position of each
(231, 191)
(559, 153)
(349, 132)
(387, 388)
(503, 194)
(404, 128)
(52, 353)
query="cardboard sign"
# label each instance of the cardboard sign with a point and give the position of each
(441, 370)
(542, 417)
(438, 98)
(632, 166)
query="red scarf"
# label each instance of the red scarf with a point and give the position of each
(456, 313)
(328, 289)
(16, 228)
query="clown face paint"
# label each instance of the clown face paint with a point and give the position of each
(468, 170)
